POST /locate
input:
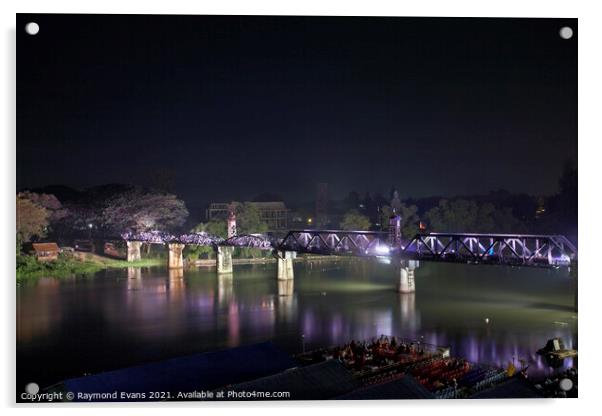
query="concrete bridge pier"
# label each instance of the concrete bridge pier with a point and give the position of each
(224, 259)
(285, 264)
(133, 250)
(175, 259)
(407, 281)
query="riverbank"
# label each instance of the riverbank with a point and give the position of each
(74, 264)
(80, 263)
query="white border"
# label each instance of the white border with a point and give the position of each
(590, 93)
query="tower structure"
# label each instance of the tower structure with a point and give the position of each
(395, 229)
(231, 222)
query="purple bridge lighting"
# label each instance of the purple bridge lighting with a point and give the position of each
(470, 248)
(467, 248)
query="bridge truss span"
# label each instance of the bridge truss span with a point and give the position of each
(470, 248)
(259, 241)
(506, 249)
(336, 242)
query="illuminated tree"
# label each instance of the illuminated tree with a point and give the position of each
(248, 219)
(353, 220)
(56, 211)
(139, 211)
(32, 219)
(57, 214)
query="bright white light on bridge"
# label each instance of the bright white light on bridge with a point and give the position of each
(562, 260)
(383, 260)
(382, 250)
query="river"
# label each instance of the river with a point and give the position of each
(73, 326)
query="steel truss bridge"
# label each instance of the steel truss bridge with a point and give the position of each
(467, 248)
(507, 249)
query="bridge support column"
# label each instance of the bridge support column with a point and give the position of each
(285, 265)
(133, 250)
(407, 281)
(175, 255)
(224, 259)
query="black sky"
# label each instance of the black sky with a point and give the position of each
(237, 106)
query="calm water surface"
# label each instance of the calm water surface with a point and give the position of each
(70, 327)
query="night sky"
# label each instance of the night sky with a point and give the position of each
(237, 106)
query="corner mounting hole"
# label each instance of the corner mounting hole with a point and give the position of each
(32, 28)
(566, 32)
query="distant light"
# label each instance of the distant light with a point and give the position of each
(90, 225)
(309, 220)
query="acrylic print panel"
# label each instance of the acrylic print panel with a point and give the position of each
(295, 208)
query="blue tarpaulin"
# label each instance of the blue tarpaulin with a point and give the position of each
(314, 382)
(405, 388)
(515, 388)
(196, 372)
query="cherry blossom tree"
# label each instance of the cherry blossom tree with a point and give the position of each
(32, 219)
(139, 211)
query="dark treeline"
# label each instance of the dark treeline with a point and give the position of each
(498, 211)
(60, 212)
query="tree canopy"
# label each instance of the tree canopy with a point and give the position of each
(353, 220)
(409, 218)
(32, 218)
(248, 219)
(461, 215)
(216, 226)
(143, 211)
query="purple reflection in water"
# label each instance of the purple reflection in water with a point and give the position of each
(120, 321)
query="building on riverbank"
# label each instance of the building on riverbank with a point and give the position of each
(45, 251)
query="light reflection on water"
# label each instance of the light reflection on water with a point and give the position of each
(119, 318)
